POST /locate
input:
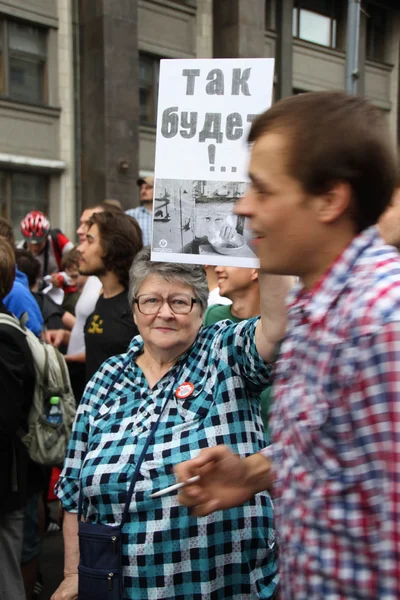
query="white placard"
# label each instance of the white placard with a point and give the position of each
(205, 110)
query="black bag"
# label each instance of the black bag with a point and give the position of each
(100, 546)
(100, 573)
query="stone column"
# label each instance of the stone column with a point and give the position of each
(239, 28)
(204, 29)
(109, 99)
(284, 49)
(66, 186)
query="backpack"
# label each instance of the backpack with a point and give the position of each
(46, 442)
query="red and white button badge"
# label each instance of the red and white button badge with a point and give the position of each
(184, 390)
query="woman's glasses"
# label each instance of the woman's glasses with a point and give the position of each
(151, 304)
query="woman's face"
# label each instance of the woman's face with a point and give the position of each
(166, 330)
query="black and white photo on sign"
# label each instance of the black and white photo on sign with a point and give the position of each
(196, 217)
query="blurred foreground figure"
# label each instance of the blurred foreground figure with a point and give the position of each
(322, 174)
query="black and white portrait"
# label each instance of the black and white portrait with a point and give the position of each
(196, 218)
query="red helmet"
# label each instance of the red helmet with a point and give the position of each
(35, 226)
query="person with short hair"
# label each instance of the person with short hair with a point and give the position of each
(322, 173)
(241, 287)
(144, 213)
(203, 382)
(214, 296)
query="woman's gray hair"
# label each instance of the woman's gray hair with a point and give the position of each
(192, 275)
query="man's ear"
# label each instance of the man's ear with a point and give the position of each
(332, 205)
(254, 275)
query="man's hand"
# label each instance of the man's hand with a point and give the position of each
(226, 480)
(55, 337)
(68, 589)
(229, 235)
(57, 280)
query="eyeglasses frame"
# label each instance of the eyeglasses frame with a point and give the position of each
(136, 301)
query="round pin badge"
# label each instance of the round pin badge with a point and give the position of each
(184, 390)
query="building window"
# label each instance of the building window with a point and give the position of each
(376, 31)
(23, 62)
(21, 193)
(149, 67)
(315, 21)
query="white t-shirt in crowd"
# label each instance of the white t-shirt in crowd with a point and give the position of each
(215, 298)
(84, 307)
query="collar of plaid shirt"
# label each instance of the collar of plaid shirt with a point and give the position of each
(316, 302)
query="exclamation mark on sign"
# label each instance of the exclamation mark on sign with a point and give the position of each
(211, 156)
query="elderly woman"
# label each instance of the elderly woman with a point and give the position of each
(179, 388)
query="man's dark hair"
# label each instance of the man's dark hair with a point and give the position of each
(70, 259)
(6, 231)
(334, 137)
(107, 205)
(27, 264)
(121, 240)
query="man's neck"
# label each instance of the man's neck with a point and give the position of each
(323, 260)
(148, 206)
(111, 284)
(246, 304)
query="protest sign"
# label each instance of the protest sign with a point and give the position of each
(205, 110)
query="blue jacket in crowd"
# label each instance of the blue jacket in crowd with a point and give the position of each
(20, 300)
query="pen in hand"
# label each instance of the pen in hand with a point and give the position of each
(176, 486)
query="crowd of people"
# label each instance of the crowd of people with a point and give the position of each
(271, 395)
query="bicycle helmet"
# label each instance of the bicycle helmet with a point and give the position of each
(35, 227)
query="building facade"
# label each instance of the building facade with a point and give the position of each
(79, 79)
(37, 167)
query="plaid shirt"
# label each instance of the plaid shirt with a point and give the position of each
(145, 219)
(168, 554)
(336, 431)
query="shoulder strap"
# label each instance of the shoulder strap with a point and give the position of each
(148, 441)
(56, 246)
(139, 464)
(12, 321)
(46, 257)
(24, 318)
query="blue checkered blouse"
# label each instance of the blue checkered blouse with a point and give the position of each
(167, 553)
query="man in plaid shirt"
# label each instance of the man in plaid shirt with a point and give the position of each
(322, 173)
